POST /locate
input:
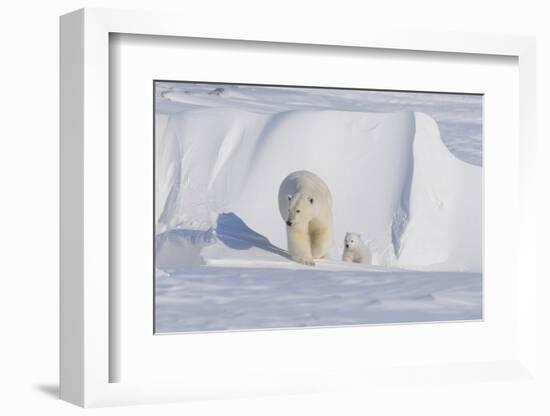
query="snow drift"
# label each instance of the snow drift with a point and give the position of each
(392, 179)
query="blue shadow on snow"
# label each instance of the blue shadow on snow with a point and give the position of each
(234, 233)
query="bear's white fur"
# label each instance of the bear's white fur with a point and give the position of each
(305, 204)
(355, 250)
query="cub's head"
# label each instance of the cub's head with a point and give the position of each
(301, 209)
(352, 240)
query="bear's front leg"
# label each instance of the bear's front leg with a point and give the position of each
(320, 239)
(299, 245)
(347, 256)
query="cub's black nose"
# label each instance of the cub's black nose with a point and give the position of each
(347, 245)
(288, 223)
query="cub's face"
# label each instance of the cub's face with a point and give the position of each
(351, 240)
(301, 209)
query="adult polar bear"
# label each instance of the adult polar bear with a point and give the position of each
(305, 204)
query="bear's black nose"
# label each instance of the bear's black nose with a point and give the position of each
(288, 223)
(347, 245)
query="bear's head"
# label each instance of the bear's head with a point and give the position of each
(351, 240)
(301, 209)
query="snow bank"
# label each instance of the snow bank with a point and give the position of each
(392, 180)
(459, 116)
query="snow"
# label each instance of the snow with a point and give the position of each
(221, 154)
(230, 298)
(459, 116)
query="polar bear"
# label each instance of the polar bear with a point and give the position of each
(305, 204)
(355, 250)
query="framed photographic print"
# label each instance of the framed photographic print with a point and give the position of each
(269, 212)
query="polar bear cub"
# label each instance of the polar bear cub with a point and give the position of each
(305, 204)
(355, 250)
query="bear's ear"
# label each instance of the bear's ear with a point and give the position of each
(289, 197)
(311, 200)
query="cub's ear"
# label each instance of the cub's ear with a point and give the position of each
(311, 200)
(289, 197)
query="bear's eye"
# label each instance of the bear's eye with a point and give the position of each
(352, 241)
(297, 211)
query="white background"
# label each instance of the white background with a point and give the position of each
(29, 172)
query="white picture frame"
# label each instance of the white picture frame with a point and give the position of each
(86, 355)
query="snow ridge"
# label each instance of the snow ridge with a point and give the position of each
(391, 177)
(401, 216)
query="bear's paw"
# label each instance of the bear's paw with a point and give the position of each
(307, 262)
